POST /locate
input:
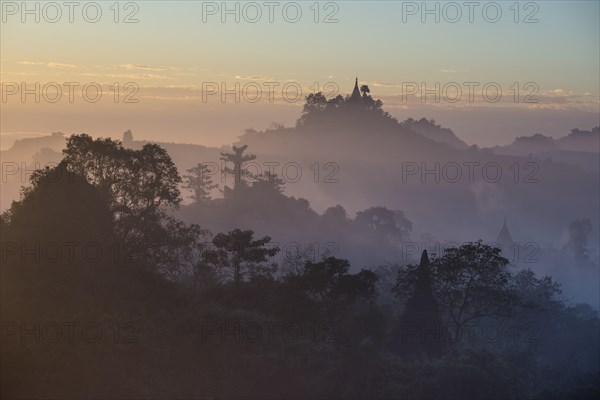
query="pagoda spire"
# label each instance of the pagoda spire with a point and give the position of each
(420, 329)
(355, 97)
(504, 238)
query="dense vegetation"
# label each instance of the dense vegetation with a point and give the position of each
(106, 294)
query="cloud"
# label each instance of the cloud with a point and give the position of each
(384, 84)
(22, 73)
(140, 67)
(253, 78)
(61, 65)
(48, 64)
(555, 99)
(559, 99)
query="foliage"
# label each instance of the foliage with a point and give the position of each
(200, 182)
(102, 191)
(141, 188)
(469, 282)
(238, 252)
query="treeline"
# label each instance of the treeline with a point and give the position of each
(106, 294)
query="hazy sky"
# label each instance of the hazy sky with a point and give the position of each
(178, 48)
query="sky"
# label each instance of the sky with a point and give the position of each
(160, 68)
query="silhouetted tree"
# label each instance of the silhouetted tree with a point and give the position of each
(196, 270)
(296, 257)
(200, 182)
(141, 188)
(315, 102)
(469, 282)
(270, 182)
(336, 102)
(385, 222)
(237, 251)
(368, 102)
(134, 182)
(579, 231)
(335, 214)
(329, 284)
(535, 293)
(241, 174)
(60, 207)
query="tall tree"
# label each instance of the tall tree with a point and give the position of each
(241, 174)
(141, 188)
(200, 182)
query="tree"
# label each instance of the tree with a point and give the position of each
(469, 282)
(536, 293)
(241, 174)
(270, 182)
(239, 253)
(335, 214)
(296, 257)
(336, 102)
(367, 100)
(385, 222)
(60, 207)
(196, 270)
(140, 187)
(315, 102)
(200, 182)
(329, 284)
(318, 106)
(579, 232)
(134, 182)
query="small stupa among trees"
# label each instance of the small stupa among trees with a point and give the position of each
(420, 327)
(318, 107)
